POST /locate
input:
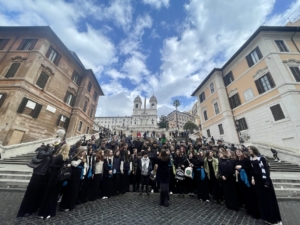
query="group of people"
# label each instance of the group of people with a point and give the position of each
(236, 177)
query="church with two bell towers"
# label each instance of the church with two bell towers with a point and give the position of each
(143, 116)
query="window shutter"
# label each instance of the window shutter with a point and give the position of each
(37, 110)
(245, 124)
(41, 82)
(2, 99)
(225, 82)
(84, 106)
(58, 121)
(238, 100)
(249, 60)
(259, 88)
(57, 59)
(79, 80)
(66, 96)
(49, 51)
(12, 70)
(258, 52)
(66, 124)
(270, 78)
(22, 44)
(73, 75)
(4, 43)
(22, 105)
(33, 42)
(231, 102)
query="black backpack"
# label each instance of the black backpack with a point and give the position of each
(64, 173)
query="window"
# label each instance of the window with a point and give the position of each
(277, 112)
(208, 133)
(221, 129)
(281, 46)
(89, 87)
(30, 108)
(228, 79)
(69, 99)
(264, 83)
(234, 101)
(85, 106)
(296, 72)
(12, 70)
(79, 125)
(2, 98)
(95, 96)
(242, 124)
(63, 121)
(76, 78)
(91, 112)
(3, 43)
(212, 88)
(254, 57)
(202, 97)
(248, 94)
(43, 78)
(27, 44)
(216, 106)
(136, 106)
(53, 55)
(205, 115)
(87, 130)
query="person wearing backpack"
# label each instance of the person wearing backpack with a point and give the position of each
(53, 187)
(36, 187)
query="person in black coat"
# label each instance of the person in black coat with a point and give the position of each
(201, 179)
(179, 164)
(226, 171)
(108, 175)
(126, 169)
(190, 162)
(163, 176)
(70, 195)
(36, 187)
(243, 172)
(116, 168)
(53, 187)
(266, 197)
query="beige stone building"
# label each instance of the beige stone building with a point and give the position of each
(43, 87)
(256, 94)
(183, 117)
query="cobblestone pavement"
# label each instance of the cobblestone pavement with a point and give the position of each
(134, 209)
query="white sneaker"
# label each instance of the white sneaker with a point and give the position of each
(48, 217)
(152, 191)
(207, 201)
(66, 210)
(104, 197)
(171, 193)
(279, 161)
(275, 160)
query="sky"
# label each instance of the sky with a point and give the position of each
(150, 47)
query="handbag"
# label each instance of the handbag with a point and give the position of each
(179, 174)
(64, 173)
(188, 172)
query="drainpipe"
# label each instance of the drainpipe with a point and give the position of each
(294, 41)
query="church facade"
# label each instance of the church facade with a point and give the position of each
(143, 116)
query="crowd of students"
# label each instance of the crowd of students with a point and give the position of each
(236, 177)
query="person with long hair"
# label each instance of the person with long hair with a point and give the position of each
(145, 167)
(226, 171)
(266, 197)
(153, 181)
(190, 183)
(163, 176)
(96, 181)
(211, 166)
(70, 195)
(201, 179)
(108, 174)
(243, 175)
(116, 167)
(83, 196)
(179, 178)
(172, 175)
(49, 201)
(126, 168)
(36, 187)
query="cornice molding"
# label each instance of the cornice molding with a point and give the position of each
(18, 58)
(232, 92)
(47, 69)
(261, 72)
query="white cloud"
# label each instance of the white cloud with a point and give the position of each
(135, 69)
(157, 3)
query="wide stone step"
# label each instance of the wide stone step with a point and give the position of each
(285, 180)
(9, 183)
(16, 160)
(15, 176)
(14, 163)
(12, 172)
(286, 185)
(287, 192)
(285, 170)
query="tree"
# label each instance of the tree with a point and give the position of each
(176, 103)
(189, 125)
(163, 122)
